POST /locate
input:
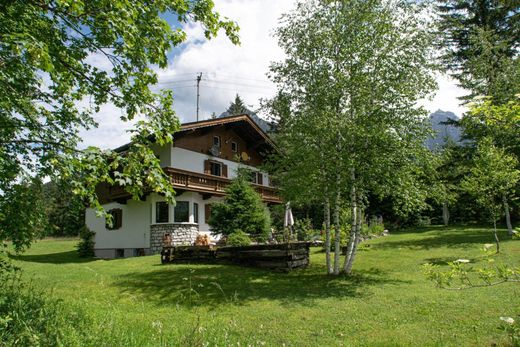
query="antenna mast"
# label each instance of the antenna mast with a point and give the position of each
(199, 77)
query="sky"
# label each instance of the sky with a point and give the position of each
(227, 69)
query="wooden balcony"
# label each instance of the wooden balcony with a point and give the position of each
(195, 182)
(214, 185)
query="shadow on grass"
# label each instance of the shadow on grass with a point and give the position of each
(215, 285)
(451, 238)
(52, 258)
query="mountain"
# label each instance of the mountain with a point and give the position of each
(443, 131)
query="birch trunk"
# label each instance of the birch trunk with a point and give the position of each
(445, 213)
(327, 236)
(337, 231)
(357, 239)
(497, 241)
(353, 218)
(508, 216)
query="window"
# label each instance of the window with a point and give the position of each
(195, 212)
(161, 212)
(215, 169)
(117, 219)
(234, 147)
(256, 177)
(216, 141)
(181, 212)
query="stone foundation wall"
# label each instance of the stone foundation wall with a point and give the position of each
(181, 234)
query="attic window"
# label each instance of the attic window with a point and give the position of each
(216, 141)
(234, 147)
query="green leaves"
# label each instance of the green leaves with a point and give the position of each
(242, 210)
(46, 74)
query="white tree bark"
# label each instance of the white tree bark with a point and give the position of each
(327, 235)
(508, 216)
(337, 229)
(445, 213)
(353, 218)
(357, 239)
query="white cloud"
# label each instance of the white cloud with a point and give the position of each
(446, 97)
(229, 69)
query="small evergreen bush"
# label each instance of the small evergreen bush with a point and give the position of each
(242, 209)
(86, 245)
(238, 238)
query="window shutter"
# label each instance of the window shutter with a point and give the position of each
(207, 168)
(207, 212)
(224, 170)
(119, 217)
(260, 178)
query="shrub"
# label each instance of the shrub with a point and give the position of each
(344, 236)
(86, 245)
(304, 230)
(242, 209)
(238, 238)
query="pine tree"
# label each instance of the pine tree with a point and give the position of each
(242, 210)
(480, 40)
(237, 107)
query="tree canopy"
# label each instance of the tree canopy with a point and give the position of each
(480, 40)
(50, 88)
(348, 120)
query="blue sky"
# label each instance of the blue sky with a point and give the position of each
(227, 70)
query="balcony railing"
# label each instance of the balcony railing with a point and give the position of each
(196, 182)
(213, 184)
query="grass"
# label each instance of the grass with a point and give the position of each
(388, 302)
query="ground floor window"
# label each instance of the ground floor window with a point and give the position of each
(161, 212)
(182, 212)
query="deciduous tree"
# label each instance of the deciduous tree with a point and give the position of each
(347, 105)
(49, 90)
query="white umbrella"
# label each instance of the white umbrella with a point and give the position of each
(288, 220)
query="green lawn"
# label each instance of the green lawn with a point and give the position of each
(388, 302)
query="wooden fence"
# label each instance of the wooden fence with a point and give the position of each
(287, 256)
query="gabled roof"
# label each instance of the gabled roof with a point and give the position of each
(244, 121)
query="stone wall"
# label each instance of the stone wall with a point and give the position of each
(181, 234)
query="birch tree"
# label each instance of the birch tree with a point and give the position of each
(351, 78)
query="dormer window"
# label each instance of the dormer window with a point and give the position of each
(234, 147)
(216, 141)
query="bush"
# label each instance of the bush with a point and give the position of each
(304, 230)
(86, 245)
(238, 238)
(343, 237)
(242, 209)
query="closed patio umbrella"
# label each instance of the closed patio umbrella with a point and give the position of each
(288, 221)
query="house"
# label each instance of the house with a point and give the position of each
(203, 159)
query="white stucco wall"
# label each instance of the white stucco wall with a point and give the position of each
(135, 229)
(193, 161)
(164, 153)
